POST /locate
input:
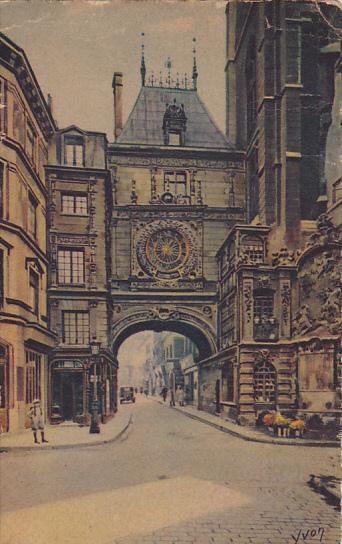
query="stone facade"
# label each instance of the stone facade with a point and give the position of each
(279, 311)
(25, 335)
(79, 253)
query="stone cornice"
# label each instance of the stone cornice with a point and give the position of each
(14, 58)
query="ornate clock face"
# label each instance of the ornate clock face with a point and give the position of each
(167, 250)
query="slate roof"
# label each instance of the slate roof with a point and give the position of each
(145, 123)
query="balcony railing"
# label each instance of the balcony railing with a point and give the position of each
(266, 328)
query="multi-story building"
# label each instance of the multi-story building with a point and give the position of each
(174, 361)
(79, 252)
(26, 125)
(280, 288)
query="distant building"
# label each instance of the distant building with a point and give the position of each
(26, 125)
(79, 253)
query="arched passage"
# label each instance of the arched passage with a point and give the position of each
(199, 332)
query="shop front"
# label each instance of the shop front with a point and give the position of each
(72, 383)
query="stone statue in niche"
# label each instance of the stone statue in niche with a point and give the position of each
(331, 309)
(303, 321)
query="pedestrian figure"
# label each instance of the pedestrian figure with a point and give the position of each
(180, 396)
(172, 397)
(37, 421)
(164, 393)
(146, 392)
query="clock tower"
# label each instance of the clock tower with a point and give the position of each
(177, 189)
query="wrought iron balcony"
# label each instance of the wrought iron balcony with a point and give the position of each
(266, 328)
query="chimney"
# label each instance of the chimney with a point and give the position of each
(117, 92)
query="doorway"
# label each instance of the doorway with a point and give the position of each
(68, 394)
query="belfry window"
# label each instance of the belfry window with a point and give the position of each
(174, 124)
(174, 138)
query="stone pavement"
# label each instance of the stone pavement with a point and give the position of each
(67, 435)
(170, 480)
(245, 525)
(246, 433)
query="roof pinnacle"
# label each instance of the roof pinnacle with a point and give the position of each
(142, 64)
(194, 66)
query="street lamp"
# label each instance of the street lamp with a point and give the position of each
(94, 424)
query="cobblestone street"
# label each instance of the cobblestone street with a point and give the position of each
(170, 480)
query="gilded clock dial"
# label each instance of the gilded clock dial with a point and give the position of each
(167, 250)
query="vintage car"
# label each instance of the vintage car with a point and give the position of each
(127, 394)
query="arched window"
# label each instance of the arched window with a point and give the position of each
(265, 380)
(251, 88)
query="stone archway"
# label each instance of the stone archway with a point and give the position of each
(166, 319)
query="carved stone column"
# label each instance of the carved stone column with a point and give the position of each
(247, 308)
(285, 307)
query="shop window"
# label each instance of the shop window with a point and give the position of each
(73, 151)
(74, 203)
(253, 247)
(70, 266)
(265, 382)
(34, 291)
(75, 327)
(228, 382)
(32, 215)
(175, 182)
(33, 370)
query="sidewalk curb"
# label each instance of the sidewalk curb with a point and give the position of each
(260, 440)
(13, 449)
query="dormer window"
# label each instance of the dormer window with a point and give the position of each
(174, 138)
(174, 124)
(73, 151)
